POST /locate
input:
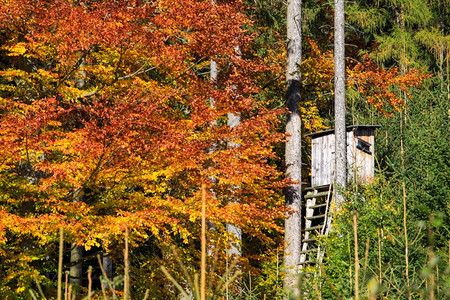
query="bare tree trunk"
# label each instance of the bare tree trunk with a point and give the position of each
(234, 119)
(76, 268)
(213, 73)
(76, 253)
(108, 267)
(293, 234)
(339, 100)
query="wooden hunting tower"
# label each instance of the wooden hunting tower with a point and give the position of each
(319, 196)
(360, 154)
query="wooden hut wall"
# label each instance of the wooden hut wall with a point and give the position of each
(360, 158)
(364, 149)
(322, 159)
(351, 155)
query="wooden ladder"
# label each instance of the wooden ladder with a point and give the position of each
(317, 222)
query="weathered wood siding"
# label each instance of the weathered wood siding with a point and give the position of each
(322, 160)
(364, 163)
(360, 161)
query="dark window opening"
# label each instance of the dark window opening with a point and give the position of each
(363, 146)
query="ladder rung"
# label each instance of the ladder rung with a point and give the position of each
(317, 188)
(314, 228)
(315, 217)
(308, 251)
(317, 206)
(308, 240)
(307, 262)
(309, 188)
(321, 194)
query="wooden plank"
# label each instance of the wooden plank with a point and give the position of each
(315, 217)
(318, 195)
(314, 228)
(316, 160)
(309, 240)
(308, 251)
(318, 205)
(308, 223)
(316, 188)
(351, 155)
(331, 163)
(313, 161)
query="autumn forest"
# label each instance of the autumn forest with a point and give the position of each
(162, 149)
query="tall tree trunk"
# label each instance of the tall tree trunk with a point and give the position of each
(76, 253)
(234, 119)
(108, 267)
(293, 234)
(76, 269)
(339, 102)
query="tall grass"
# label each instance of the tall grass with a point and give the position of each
(194, 290)
(69, 293)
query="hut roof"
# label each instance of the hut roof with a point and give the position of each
(349, 128)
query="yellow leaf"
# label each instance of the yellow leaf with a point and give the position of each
(17, 49)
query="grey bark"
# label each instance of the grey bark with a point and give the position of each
(339, 100)
(80, 80)
(236, 232)
(234, 120)
(76, 262)
(213, 72)
(76, 252)
(293, 146)
(108, 267)
(235, 248)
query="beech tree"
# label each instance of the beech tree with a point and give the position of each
(132, 144)
(106, 124)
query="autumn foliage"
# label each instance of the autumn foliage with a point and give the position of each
(109, 120)
(383, 88)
